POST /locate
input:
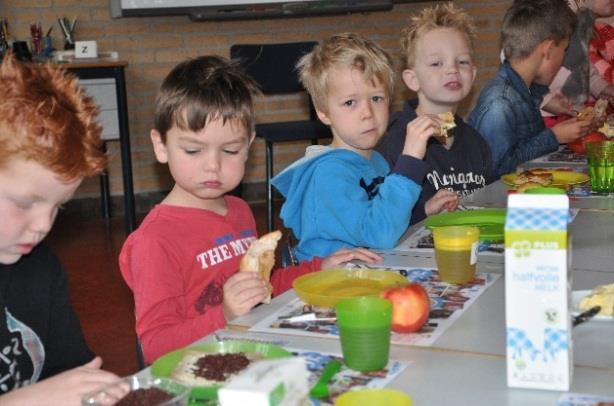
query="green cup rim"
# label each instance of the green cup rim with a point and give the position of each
(353, 310)
(547, 190)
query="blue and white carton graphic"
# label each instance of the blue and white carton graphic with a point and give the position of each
(537, 292)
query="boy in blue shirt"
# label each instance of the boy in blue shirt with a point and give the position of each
(534, 36)
(345, 195)
(437, 50)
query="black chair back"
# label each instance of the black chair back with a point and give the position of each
(273, 66)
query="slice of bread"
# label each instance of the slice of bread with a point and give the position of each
(543, 178)
(448, 124)
(446, 128)
(260, 258)
(586, 114)
(204, 369)
(184, 371)
(600, 110)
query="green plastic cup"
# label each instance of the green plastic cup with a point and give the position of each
(551, 190)
(600, 157)
(364, 330)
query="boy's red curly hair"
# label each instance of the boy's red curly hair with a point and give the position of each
(46, 118)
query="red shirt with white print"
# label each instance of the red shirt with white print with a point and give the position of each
(176, 264)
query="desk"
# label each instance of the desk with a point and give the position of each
(495, 195)
(436, 377)
(99, 69)
(481, 328)
(592, 234)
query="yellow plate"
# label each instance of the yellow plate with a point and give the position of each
(326, 288)
(559, 178)
(369, 397)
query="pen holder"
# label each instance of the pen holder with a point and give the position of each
(47, 47)
(21, 50)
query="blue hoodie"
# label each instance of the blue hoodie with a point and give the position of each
(335, 198)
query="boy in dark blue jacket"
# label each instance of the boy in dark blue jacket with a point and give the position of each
(534, 37)
(437, 49)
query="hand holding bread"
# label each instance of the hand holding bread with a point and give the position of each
(260, 258)
(595, 115)
(419, 130)
(250, 286)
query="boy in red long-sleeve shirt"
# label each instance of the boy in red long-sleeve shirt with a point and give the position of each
(182, 262)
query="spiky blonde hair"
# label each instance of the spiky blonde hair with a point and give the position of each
(430, 18)
(344, 50)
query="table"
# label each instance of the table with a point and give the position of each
(476, 341)
(548, 161)
(99, 69)
(495, 196)
(481, 328)
(436, 377)
(592, 236)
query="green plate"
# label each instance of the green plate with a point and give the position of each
(164, 366)
(491, 222)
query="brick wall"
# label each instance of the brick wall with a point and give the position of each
(153, 45)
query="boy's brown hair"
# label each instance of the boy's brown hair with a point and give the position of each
(46, 118)
(343, 50)
(527, 23)
(203, 89)
(428, 19)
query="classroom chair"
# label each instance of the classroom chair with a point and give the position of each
(273, 66)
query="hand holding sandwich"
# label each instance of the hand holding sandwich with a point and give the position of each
(243, 291)
(570, 130)
(422, 128)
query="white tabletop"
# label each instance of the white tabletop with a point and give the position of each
(435, 377)
(481, 328)
(547, 161)
(592, 246)
(495, 195)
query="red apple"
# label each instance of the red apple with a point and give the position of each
(410, 307)
(579, 145)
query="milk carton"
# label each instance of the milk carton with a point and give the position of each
(272, 382)
(537, 292)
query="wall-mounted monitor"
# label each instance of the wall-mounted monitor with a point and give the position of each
(199, 10)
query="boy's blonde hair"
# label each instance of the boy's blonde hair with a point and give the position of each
(428, 19)
(346, 50)
(46, 118)
(527, 23)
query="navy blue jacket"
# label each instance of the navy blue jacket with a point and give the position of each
(465, 167)
(507, 115)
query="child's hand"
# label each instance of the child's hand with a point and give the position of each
(345, 254)
(558, 105)
(243, 291)
(66, 388)
(418, 133)
(443, 199)
(570, 130)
